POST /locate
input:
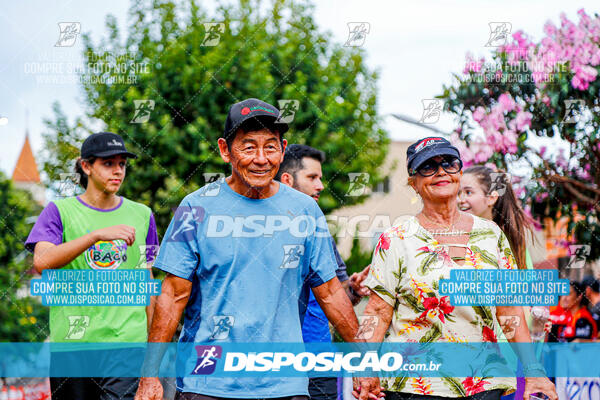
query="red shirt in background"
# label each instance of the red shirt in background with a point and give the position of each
(567, 326)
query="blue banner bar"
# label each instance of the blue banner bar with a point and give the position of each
(291, 359)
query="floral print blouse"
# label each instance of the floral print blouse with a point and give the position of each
(405, 271)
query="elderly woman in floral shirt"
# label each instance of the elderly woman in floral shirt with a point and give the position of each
(408, 263)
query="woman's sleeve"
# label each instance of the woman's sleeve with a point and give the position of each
(385, 272)
(48, 228)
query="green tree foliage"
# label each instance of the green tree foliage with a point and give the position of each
(358, 258)
(274, 54)
(23, 318)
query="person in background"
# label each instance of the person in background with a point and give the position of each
(571, 320)
(301, 169)
(488, 194)
(592, 293)
(68, 234)
(559, 316)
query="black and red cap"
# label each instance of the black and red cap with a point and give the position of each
(429, 147)
(253, 109)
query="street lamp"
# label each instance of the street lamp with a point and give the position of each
(413, 121)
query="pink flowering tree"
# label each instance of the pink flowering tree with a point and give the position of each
(532, 93)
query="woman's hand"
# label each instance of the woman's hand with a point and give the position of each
(536, 385)
(356, 280)
(367, 388)
(123, 232)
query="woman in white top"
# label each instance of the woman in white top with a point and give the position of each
(408, 263)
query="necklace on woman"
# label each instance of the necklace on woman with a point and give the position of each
(448, 230)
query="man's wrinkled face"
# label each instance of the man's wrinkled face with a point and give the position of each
(308, 179)
(255, 156)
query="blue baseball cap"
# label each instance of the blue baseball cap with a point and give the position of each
(429, 147)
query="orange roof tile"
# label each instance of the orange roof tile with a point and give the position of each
(26, 168)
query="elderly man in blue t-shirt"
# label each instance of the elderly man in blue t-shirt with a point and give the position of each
(239, 250)
(301, 169)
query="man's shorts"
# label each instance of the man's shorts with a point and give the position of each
(322, 388)
(93, 388)
(122, 363)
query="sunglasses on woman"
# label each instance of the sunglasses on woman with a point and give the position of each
(451, 165)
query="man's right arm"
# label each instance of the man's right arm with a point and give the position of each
(173, 298)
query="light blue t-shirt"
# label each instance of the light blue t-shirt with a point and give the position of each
(247, 260)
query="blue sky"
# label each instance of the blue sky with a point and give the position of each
(415, 46)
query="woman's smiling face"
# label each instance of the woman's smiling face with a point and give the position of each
(472, 197)
(439, 186)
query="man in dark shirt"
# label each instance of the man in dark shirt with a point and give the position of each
(301, 169)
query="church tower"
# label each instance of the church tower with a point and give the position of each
(26, 175)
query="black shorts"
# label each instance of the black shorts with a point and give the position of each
(121, 362)
(196, 396)
(322, 388)
(93, 388)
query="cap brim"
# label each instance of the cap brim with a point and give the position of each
(421, 158)
(110, 153)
